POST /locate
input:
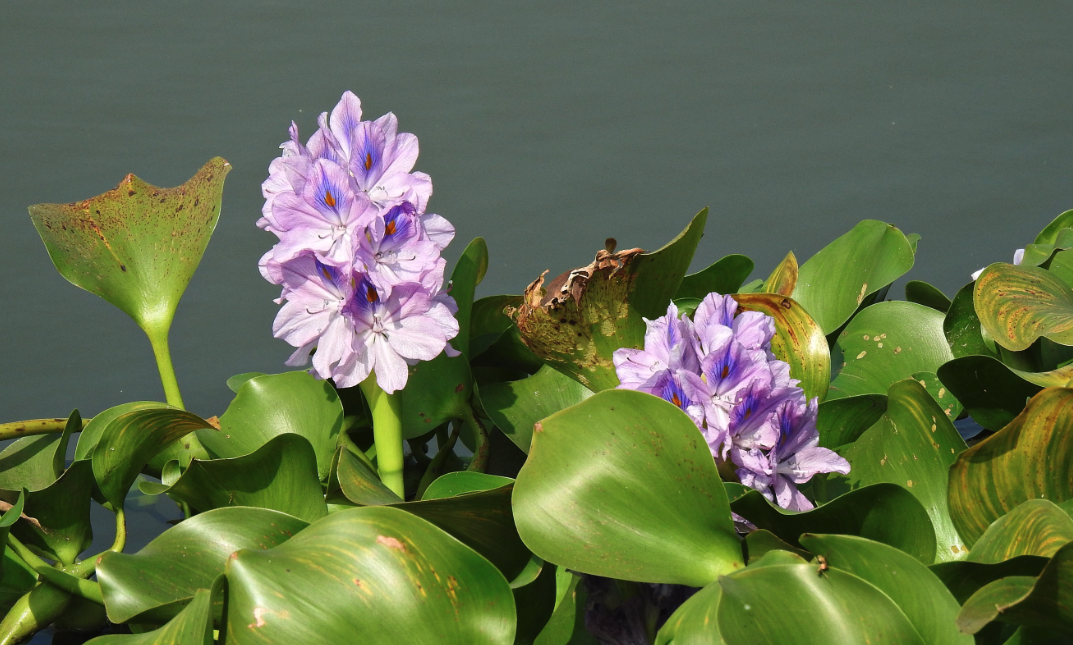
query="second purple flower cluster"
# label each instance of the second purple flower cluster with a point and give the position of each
(358, 257)
(719, 369)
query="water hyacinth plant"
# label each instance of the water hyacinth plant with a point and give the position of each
(627, 454)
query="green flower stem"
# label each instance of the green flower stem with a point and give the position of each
(158, 338)
(16, 429)
(387, 433)
(435, 467)
(28, 556)
(33, 612)
(480, 439)
(84, 588)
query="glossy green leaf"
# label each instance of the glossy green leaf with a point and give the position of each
(28, 463)
(567, 623)
(841, 421)
(137, 245)
(360, 484)
(280, 475)
(835, 281)
(616, 474)
(275, 404)
(939, 393)
(1050, 233)
(865, 512)
(1036, 527)
(921, 596)
(535, 603)
(832, 607)
(488, 319)
(886, 343)
(153, 584)
(235, 382)
(923, 293)
(436, 392)
(381, 573)
(131, 440)
(575, 324)
(991, 392)
(91, 434)
(1041, 255)
(962, 326)
(1060, 377)
(482, 521)
(1031, 458)
(460, 483)
(798, 340)
(725, 276)
(1018, 304)
(62, 511)
(1046, 601)
(696, 621)
(913, 446)
(10, 517)
(516, 406)
(18, 578)
(467, 274)
(964, 578)
(760, 542)
(507, 350)
(191, 626)
(783, 278)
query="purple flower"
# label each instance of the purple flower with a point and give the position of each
(669, 346)
(358, 259)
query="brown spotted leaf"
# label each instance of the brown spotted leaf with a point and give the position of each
(783, 278)
(798, 340)
(1018, 304)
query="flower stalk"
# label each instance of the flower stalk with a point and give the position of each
(159, 340)
(387, 433)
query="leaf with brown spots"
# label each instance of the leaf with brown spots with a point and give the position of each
(783, 277)
(1018, 304)
(798, 340)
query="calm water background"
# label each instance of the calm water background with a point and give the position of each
(546, 127)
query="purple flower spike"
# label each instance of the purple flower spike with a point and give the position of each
(358, 259)
(669, 345)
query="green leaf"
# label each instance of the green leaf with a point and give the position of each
(616, 474)
(1018, 304)
(835, 281)
(913, 446)
(759, 543)
(725, 276)
(991, 392)
(920, 595)
(91, 434)
(460, 483)
(567, 623)
(488, 320)
(280, 475)
(535, 603)
(865, 512)
(696, 621)
(483, 521)
(577, 322)
(886, 343)
(1031, 458)
(783, 278)
(962, 326)
(841, 421)
(191, 626)
(923, 293)
(275, 404)
(516, 406)
(467, 274)
(1036, 527)
(153, 584)
(236, 381)
(380, 571)
(137, 245)
(1049, 235)
(360, 484)
(798, 340)
(965, 578)
(28, 463)
(62, 511)
(436, 392)
(131, 440)
(1045, 602)
(945, 398)
(832, 607)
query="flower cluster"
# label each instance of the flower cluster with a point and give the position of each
(719, 369)
(358, 257)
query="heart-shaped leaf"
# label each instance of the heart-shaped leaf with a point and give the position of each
(798, 340)
(274, 404)
(1031, 458)
(379, 571)
(913, 446)
(865, 512)
(516, 406)
(886, 343)
(576, 322)
(1018, 304)
(616, 474)
(725, 276)
(920, 595)
(1036, 527)
(153, 584)
(835, 281)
